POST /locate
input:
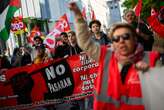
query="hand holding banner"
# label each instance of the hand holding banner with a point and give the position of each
(49, 83)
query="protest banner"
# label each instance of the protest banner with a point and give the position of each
(53, 82)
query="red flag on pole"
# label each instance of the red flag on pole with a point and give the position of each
(138, 8)
(156, 25)
(84, 13)
(62, 25)
(16, 3)
(34, 32)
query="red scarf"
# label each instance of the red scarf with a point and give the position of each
(115, 88)
(133, 58)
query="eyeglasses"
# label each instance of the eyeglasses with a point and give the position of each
(125, 36)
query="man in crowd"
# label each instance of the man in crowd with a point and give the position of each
(98, 35)
(60, 51)
(118, 85)
(145, 36)
(38, 41)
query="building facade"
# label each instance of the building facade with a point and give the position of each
(114, 13)
(44, 13)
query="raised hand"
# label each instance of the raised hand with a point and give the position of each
(73, 7)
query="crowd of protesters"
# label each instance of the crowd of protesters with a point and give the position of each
(118, 86)
(124, 44)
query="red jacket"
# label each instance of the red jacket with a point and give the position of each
(111, 93)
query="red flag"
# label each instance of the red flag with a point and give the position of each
(62, 25)
(34, 32)
(84, 13)
(41, 80)
(93, 15)
(156, 25)
(15, 3)
(138, 8)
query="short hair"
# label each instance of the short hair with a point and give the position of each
(64, 34)
(127, 11)
(72, 32)
(94, 22)
(121, 25)
(38, 37)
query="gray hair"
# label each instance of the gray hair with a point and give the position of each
(127, 11)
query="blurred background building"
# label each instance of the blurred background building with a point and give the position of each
(44, 14)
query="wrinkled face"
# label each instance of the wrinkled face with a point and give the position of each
(129, 17)
(72, 38)
(95, 28)
(123, 41)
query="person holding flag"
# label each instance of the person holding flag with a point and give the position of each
(118, 85)
(133, 17)
(156, 22)
(145, 35)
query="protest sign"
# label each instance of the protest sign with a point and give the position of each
(49, 83)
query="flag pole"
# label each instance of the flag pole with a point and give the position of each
(138, 23)
(138, 13)
(21, 8)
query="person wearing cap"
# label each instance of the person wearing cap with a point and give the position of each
(118, 85)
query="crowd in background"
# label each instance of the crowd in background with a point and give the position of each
(39, 53)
